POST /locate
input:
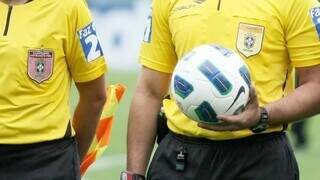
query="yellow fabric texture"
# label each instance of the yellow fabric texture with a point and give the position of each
(284, 37)
(34, 97)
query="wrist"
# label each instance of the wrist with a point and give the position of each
(263, 121)
(127, 175)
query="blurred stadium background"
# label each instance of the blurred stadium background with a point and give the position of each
(120, 25)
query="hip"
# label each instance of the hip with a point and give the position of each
(57, 159)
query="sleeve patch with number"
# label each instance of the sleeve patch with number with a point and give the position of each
(148, 30)
(90, 42)
(315, 15)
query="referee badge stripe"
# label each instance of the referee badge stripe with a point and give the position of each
(250, 39)
(40, 64)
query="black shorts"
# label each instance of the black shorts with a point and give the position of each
(259, 157)
(53, 160)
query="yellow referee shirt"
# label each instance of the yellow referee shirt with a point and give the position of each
(44, 44)
(270, 35)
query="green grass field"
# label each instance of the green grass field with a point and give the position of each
(113, 162)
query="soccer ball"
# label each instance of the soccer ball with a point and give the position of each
(208, 81)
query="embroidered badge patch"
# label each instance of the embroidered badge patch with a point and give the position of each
(250, 39)
(315, 15)
(90, 42)
(40, 64)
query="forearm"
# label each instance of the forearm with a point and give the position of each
(141, 131)
(86, 118)
(301, 103)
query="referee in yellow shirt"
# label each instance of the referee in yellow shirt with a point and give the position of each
(44, 45)
(271, 36)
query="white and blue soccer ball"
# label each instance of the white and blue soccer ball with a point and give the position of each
(209, 81)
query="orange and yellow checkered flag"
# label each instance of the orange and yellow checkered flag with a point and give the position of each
(103, 132)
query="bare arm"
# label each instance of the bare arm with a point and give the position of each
(152, 87)
(88, 112)
(301, 103)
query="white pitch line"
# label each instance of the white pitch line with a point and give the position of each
(108, 162)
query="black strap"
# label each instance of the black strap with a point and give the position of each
(125, 175)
